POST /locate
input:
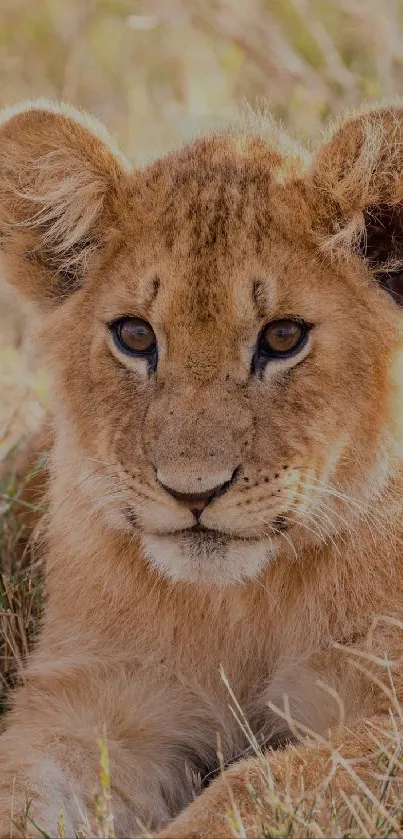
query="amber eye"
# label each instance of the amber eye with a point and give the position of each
(282, 338)
(134, 336)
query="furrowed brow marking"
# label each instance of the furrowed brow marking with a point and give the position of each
(148, 293)
(156, 285)
(259, 297)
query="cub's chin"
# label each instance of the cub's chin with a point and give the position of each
(206, 557)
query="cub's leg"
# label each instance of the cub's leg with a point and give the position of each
(44, 782)
(240, 801)
(50, 759)
(346, 753)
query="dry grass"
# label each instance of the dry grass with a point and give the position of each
(20, 583)
(155, 71)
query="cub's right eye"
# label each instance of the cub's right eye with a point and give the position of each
(134, 336)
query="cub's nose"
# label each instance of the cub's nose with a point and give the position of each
(198, 501)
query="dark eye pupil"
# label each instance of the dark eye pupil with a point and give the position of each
(135, 335)
(282, 337)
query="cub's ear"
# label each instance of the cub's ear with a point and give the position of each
(358, 180)
(60, 178)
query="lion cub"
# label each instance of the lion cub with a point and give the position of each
(224, 333)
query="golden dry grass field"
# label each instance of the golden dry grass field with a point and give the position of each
(155, 72)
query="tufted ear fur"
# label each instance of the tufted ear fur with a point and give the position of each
(60, 177)
(358, 176)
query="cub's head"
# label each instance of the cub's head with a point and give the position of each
(223, 327)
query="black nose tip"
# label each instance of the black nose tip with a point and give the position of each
(197, 502)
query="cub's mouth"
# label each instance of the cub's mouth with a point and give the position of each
(202, 532)
(201, 555)
(197, 552)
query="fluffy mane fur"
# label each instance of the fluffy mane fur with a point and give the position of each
(214, 505)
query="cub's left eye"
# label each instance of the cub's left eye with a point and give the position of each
(134, 336)
(282, 338)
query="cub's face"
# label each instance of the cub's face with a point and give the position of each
(222, 383)
(227, 384)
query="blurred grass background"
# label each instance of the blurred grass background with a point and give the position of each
(156, 71)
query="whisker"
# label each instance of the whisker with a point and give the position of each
(154, 495)
(377, 517)
(329, 512)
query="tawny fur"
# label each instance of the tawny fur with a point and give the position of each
(208, 244)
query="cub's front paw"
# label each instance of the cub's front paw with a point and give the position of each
(258, 796)
(225, 810)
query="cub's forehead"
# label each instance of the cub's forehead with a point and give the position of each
(218, 195)
(212, 227)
